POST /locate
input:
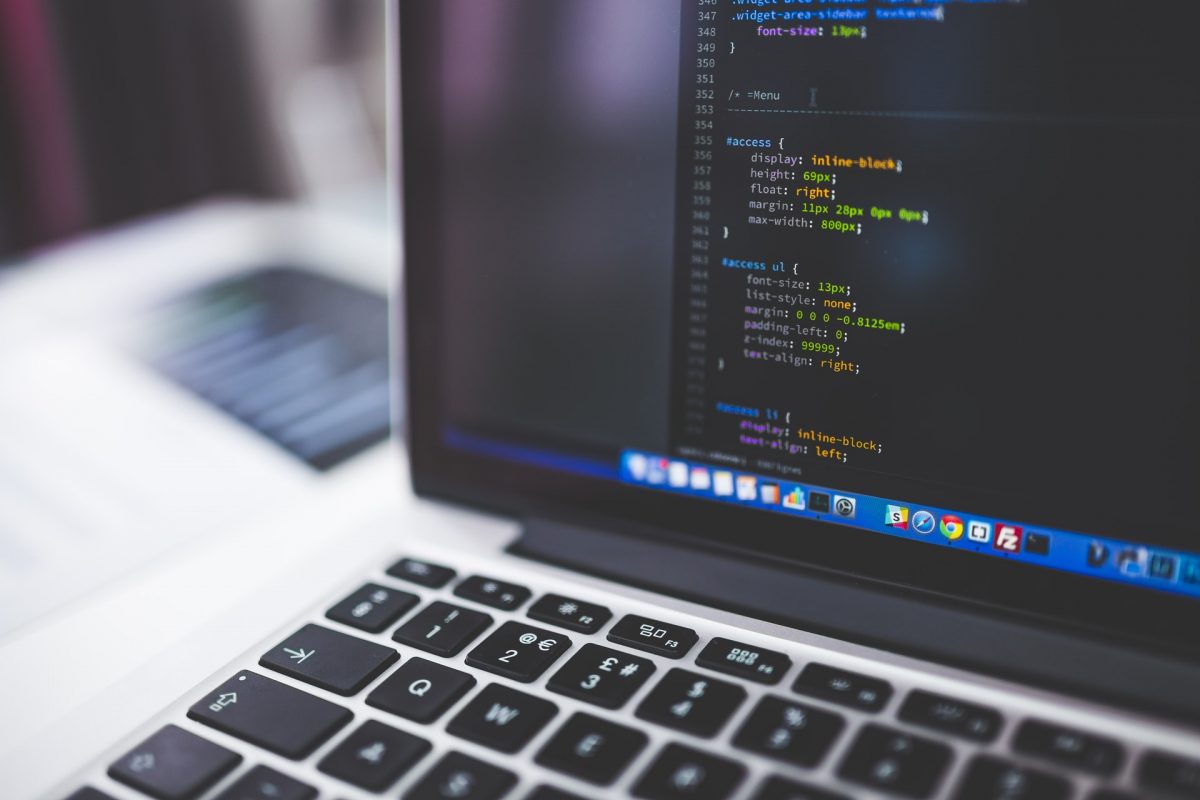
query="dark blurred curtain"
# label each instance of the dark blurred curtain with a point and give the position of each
(9, 177)
(40, 189)
(111, 109)
(163, 103)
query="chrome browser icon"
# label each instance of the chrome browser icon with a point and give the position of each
(951, 527)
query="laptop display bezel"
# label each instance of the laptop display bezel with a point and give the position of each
(1113, 612)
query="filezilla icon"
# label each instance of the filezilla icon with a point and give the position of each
(1008, 538)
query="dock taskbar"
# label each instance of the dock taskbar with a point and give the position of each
(1110, 559)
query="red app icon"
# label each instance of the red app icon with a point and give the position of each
(1008, 538)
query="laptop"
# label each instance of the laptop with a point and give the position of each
(800, 406)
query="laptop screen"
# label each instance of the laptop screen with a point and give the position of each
(914, 276)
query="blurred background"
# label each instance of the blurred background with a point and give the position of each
(112, 110)
(195, 254)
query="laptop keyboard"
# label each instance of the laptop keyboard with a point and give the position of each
(825, 720)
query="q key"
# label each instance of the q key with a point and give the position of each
(421, 690)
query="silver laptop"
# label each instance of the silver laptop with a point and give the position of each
(802, 407)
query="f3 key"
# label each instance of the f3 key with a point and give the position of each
(660, 638)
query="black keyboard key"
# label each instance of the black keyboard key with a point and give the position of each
(421, 572)
(592, 749)
(945, 714)
(843, 687)
(502, 718)
(744, 661)
(519, 651)
(329, 660)
(545, 792)
(372, 608)
(1111, 794)
(777, 788)
(491, 592)
(88, 793)
(574, 615)
(1170, 774)
(442, 629)
(1069, 747)
(264, 783)
(174, 764)
(269, 714)
(895, 763)
(681, 773)
(462, 777)
(791, 732)
(601, 675)
(691, 702)
(660, 638)
(991, 778)
(374, 756)
(420, 690)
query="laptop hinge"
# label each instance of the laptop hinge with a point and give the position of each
(966, 637)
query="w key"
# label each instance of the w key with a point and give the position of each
(329, 660)
(502, 718)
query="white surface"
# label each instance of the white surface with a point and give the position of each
(104, 466)
(77, 681)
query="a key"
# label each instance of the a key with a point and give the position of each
(793, 732)
(895, 763)
(744, 661)
(1112, 794)
(545, 792)
(502, 718)
(462, 777)
(566, 612)
(601, 675)
(174, 764)
(519, 651)
(264, 783)
(269, 714)
(691, 702)
(591, 749)
(89, 793)
(1170, 774)
(491, 592)
(776, 788)
(843, 687)
(442, 629)
(990, 778)
(330, 660)
(374, 756)
(653, 636)
(420, 690)
(421, 572)
(1068, 747)
(681, 773)
(945, 714)
(372, 608)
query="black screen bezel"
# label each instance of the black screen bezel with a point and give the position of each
(1101, 609)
